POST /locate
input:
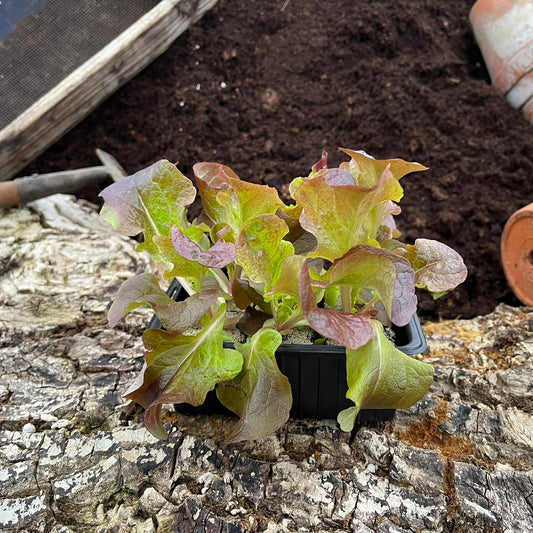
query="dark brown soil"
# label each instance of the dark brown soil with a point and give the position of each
(266, 89)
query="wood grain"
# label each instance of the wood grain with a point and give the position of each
(89, 85)
(76, 457)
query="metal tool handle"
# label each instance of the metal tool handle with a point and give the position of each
(22, 190)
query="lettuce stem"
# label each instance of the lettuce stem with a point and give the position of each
(346, 298)
(222, 279)
(186, 285)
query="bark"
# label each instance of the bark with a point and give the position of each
(75, 457)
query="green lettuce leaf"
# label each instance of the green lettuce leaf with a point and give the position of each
(144, 289)
(389, 276)
(260, 395)
(285, 296)
(287, 282)
(227, 199)
(342, 216)
(287, 312)
(349, 329)
(150, 201)
(261, 249)
(382, 377)
(183, 368)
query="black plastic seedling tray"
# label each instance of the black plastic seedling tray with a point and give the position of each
(317, 373)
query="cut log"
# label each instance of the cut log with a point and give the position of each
(75, 457)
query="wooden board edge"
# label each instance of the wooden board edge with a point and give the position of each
(90, 84)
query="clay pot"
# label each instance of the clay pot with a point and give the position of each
(517, 253)
(504, 32)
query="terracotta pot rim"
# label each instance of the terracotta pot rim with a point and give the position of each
(517, 253)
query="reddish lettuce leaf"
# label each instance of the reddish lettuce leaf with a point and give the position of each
(245, 295)
(218, 256)
(438, 268)
(348, 329)
(252, 320)
(320, 165)
(337, 176)
(260, 395)
(178, 266)
(144, 289)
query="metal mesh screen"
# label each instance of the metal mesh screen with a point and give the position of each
(43, 41)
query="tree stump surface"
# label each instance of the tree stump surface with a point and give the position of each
(74, 457)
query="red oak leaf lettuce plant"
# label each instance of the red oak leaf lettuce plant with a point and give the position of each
(330, 261)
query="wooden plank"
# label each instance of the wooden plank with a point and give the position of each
(82, 91)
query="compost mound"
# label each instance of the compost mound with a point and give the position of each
(265, 88)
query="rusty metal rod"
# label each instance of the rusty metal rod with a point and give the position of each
(22, 190)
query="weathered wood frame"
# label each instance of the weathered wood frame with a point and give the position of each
(84, 89)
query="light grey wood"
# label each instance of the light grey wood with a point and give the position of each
(74, 457)
(83, 90)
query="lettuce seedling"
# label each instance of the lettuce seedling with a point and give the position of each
(331, 261)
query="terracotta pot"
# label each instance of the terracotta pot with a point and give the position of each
(504, 32)
(517, 253)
